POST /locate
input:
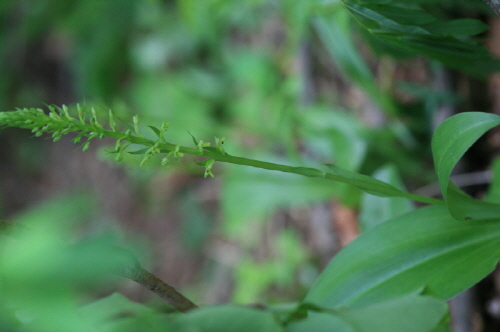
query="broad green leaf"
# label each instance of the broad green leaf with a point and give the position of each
(425, 249)
(320, 322)
(493, 194)
(421, 314)
(375, 209)
(449, 143)
(464, 207)
(227, 318)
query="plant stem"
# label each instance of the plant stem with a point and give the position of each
(226, 158)
(162, 289)
(62, 123)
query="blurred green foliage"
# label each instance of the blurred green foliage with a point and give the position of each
(234, 69)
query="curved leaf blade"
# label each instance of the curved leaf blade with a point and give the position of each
(464, 207)
(449, 143)
(424, 249)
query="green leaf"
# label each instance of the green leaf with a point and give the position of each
(195, 141)
(410, 28)
(228, 318)
(461, 27)
(421, 313)
(493, 194)
(211, 149)
(156, 130)
(425, 249)
(466, 56)
(449, 143)
(371, 18)
(464, 207)
(128, 125)
(401, 15)
(113, 308)
(363, 182)
(320, 322)
(140, 151)
(374, 209)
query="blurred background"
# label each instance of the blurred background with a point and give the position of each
(282, 81)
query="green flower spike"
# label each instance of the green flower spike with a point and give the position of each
(176, 154)
(53, 114)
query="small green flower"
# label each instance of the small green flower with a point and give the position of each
(201, 145)
(208, 168)
(135, 118)
(177, 154)
(219, 143)
(112, 123)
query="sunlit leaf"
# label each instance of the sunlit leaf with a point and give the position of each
(425, 249)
